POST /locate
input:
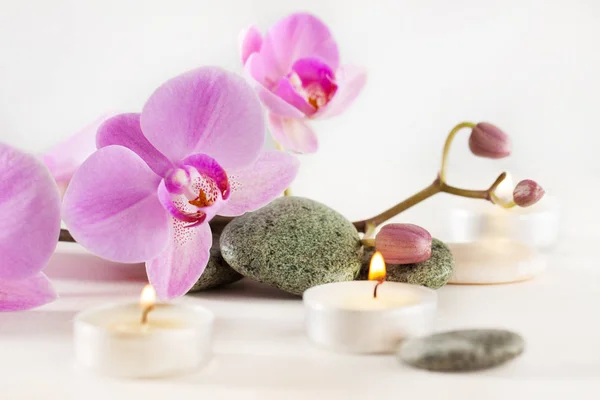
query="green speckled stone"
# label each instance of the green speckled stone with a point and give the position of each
(433, 273)
(293, 244)
(217, 272)
(465, 350)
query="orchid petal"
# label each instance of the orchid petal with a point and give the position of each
(124, 130)
(63, 159)
(111, 207)
(207, 110)
(177, 268)
(297, 36)
(293, 134)
(30, 214)
(257, 185)
(255, 75)
(350, 80)
(250, 42)
(287, 92)
(27, 293)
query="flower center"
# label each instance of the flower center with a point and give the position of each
(313, 92)
(181, 177)
(202, 200)
(194, 192)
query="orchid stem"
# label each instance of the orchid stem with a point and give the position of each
(473, 194)
(368, 242)
(368, 226)
(369, 231)
(437, 186)
(447, 145)
(278, 146)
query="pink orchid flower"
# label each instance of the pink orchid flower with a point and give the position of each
(158, 177)
(65, 157)
(30, 215)
(296, 73)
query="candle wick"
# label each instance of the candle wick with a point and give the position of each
(145, 313)
(376, 286)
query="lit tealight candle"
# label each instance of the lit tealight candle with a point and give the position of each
(143, 340)
(368, 316)
(377, 272)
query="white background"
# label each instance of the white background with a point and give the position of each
(531, 67)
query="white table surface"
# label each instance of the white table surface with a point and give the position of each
(260, 350)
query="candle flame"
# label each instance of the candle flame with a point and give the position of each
(148, 297)
(377, 267)
(505, 188)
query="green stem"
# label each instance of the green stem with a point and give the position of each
(416, 198)
(472, 194)
(368, 242)
(447, 145)
(368, 226)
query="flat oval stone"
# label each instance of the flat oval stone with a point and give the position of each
(218, 272)
(433, 273)
(464, 350)
(293, 244)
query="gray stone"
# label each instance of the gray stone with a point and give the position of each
(218, 272)
(433, 273)
(465, 350)
(293, 244)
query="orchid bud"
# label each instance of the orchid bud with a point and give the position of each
(527, 193)
(489, 141)
(403, 243)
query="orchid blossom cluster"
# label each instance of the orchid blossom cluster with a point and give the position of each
(158, 177)
(143, 187)
(297, 75)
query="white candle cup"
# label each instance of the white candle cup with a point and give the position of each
(494, 261)
(111, 340)
(492, 245)
(345, 317)
(537, 226)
